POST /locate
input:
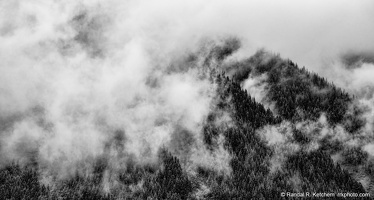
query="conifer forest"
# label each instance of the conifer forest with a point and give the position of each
(174, 99)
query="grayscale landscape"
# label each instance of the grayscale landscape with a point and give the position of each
(197, 99)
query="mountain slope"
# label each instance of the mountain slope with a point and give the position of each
(283, 141)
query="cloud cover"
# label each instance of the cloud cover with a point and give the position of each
(76, 75)
(84, 79)
(313, 33)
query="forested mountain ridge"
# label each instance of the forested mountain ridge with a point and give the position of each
(301, 110)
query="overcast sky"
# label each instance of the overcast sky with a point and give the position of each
(309, 32)
(306, 31)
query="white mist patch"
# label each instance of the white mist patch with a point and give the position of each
(218, 159)
(357, 80)
(256, 87)
(22, 143)
(279, 139)
(369, 148)
(367, 105)
(276, 134)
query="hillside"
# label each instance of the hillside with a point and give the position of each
(271, 127)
